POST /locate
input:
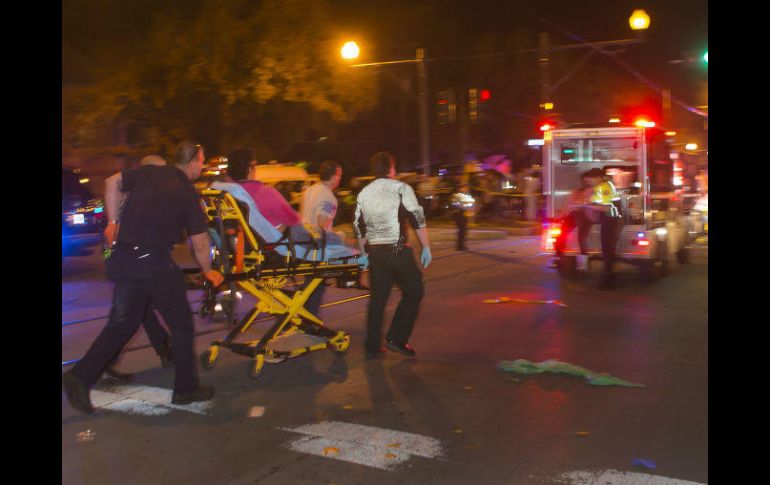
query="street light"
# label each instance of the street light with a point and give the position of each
(639, 20)
(350, 50)
(691, 146)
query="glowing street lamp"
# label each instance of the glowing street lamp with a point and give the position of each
(639, 20)
(691, 146)
(350, 50)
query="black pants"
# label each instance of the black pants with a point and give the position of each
(462, 228)
(386, 269)
(155, 331)
(610, 231)
(138, 280)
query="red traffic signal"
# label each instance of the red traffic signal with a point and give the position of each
(484, 95)
(547, 125)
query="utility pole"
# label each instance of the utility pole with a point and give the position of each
(666, 98)
(545, 75)
(422, 80)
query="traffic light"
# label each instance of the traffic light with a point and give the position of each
(546, 125)
(484, 105)
(446, 108)
(478, 104)
(473, 105)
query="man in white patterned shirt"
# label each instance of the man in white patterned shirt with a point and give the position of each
(380, 208)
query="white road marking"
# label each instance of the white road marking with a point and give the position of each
(146, 400)
(617, 477)
(365, 445)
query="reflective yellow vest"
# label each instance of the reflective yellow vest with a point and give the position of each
(605, 193)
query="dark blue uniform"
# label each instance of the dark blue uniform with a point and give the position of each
(161, 204)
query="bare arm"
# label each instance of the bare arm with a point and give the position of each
(113, 196)
(200, 246)
(422, 235)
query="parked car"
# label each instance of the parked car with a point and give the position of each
(83, 217)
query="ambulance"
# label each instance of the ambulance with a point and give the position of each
(637, 159)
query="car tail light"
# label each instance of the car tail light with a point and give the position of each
(551, 233)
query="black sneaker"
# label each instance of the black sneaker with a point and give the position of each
(404, 349)
(166, 357)
(114, 374)
(203, 393)
(78, 394)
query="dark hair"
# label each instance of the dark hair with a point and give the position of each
(238, 162)
(185, 152)
(382, 163)
(594, 172)
(328, 169)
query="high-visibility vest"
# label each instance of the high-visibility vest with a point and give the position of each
(605, 193)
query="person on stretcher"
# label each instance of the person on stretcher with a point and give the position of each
(274, 209)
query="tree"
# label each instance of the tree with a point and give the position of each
(215, 72)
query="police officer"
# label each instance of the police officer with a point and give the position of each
(380, 233)
(605, 201)
(162, 203)
(157, 334)
(462, 205)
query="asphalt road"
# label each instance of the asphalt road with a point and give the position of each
(450, 416)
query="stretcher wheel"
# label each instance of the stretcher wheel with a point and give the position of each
(340, 348)
(256, 366)
(205, 310)
(209, 358)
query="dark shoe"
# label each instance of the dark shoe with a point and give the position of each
(166, 357)
(375, 355)
(203, 393)
(78, 394)
(404, 349)
(115, 375)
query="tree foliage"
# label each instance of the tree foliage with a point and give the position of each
(215, 72)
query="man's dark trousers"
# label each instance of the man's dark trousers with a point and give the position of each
(137, 281)
(154, 330)
(610, 232)
(386, 269)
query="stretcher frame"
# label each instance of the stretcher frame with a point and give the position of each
(243, 260)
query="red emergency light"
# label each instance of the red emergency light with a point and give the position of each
(644, 123)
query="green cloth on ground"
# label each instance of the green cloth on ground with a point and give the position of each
(523, 366)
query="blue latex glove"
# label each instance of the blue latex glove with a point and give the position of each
(363, 261)
(426, 257)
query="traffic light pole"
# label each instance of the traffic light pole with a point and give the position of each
(422, 80)
(545, 74)
(422, 100)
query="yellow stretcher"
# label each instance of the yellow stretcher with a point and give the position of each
(263, 269)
